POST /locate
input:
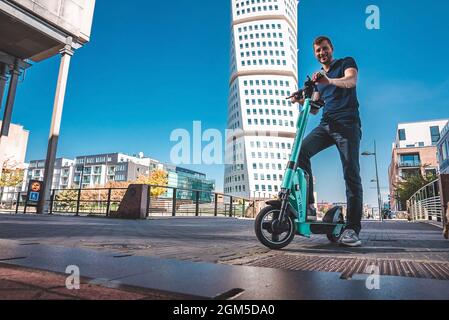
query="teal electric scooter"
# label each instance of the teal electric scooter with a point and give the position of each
(277, 224)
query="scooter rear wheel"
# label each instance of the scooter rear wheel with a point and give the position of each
(335, 238)
(271, 235)
(341, 220)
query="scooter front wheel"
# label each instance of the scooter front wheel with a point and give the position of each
(270, 232)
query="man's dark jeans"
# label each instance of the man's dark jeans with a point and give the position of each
(347, 138)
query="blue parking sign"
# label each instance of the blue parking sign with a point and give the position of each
(34, 196)
(35, 187)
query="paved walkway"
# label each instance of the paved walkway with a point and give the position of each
(199, 280)
(137, 251)
(18, 283)
(218, 240)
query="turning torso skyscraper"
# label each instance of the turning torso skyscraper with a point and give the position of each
(262, 123)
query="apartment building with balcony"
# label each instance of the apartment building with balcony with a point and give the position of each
(414, 153)
(98, 170)
(62, 174)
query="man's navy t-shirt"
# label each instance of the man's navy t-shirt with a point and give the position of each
(340, 104)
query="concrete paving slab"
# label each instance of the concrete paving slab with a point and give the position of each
(218, 240)
(207, 281)
(18, 283)
(57, 258)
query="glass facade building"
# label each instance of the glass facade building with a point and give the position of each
(187, 183)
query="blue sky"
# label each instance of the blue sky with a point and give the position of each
(152, 67)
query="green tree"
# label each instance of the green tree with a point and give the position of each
(119, 190)
(157, 177)
(10, 177)
(411, 185)
(66, 199)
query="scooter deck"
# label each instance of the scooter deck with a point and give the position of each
(308, 228)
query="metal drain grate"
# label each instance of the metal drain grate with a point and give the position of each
(350, 266)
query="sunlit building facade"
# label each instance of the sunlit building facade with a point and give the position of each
(263, 72)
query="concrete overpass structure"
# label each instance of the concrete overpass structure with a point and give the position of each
(32, 31)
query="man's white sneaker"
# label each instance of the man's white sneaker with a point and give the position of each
(350, 238)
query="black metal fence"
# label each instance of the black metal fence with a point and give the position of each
(163, 201)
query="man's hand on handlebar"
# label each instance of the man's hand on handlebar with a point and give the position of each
(310, 91)
(297, 97)
(294, 100)
(315, 108)
(320, 78)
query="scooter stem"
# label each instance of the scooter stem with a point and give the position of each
(301, 128)
(287, 183)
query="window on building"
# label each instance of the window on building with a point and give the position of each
(445, 151)
(410, 160)
(435, 134)
(401, 134)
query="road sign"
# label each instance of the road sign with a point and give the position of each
(34, 196)
(35, 188)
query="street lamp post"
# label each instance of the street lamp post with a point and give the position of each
(81, 177)
(379, 199)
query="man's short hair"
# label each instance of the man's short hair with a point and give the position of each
(321, 39)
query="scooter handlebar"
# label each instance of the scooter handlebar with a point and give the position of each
(308, 90)
(298, 95)
(317, 104)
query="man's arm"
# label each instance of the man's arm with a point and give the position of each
(347, 82)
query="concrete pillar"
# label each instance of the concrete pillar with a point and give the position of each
(3, 79)
(6, 121)
(66, 55)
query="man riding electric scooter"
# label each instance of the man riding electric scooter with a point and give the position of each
(340, 126)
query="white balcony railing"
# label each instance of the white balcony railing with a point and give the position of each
(425, 204)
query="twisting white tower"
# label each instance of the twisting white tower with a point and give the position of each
(263, 72)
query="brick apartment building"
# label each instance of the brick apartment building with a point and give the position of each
(414, 153)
